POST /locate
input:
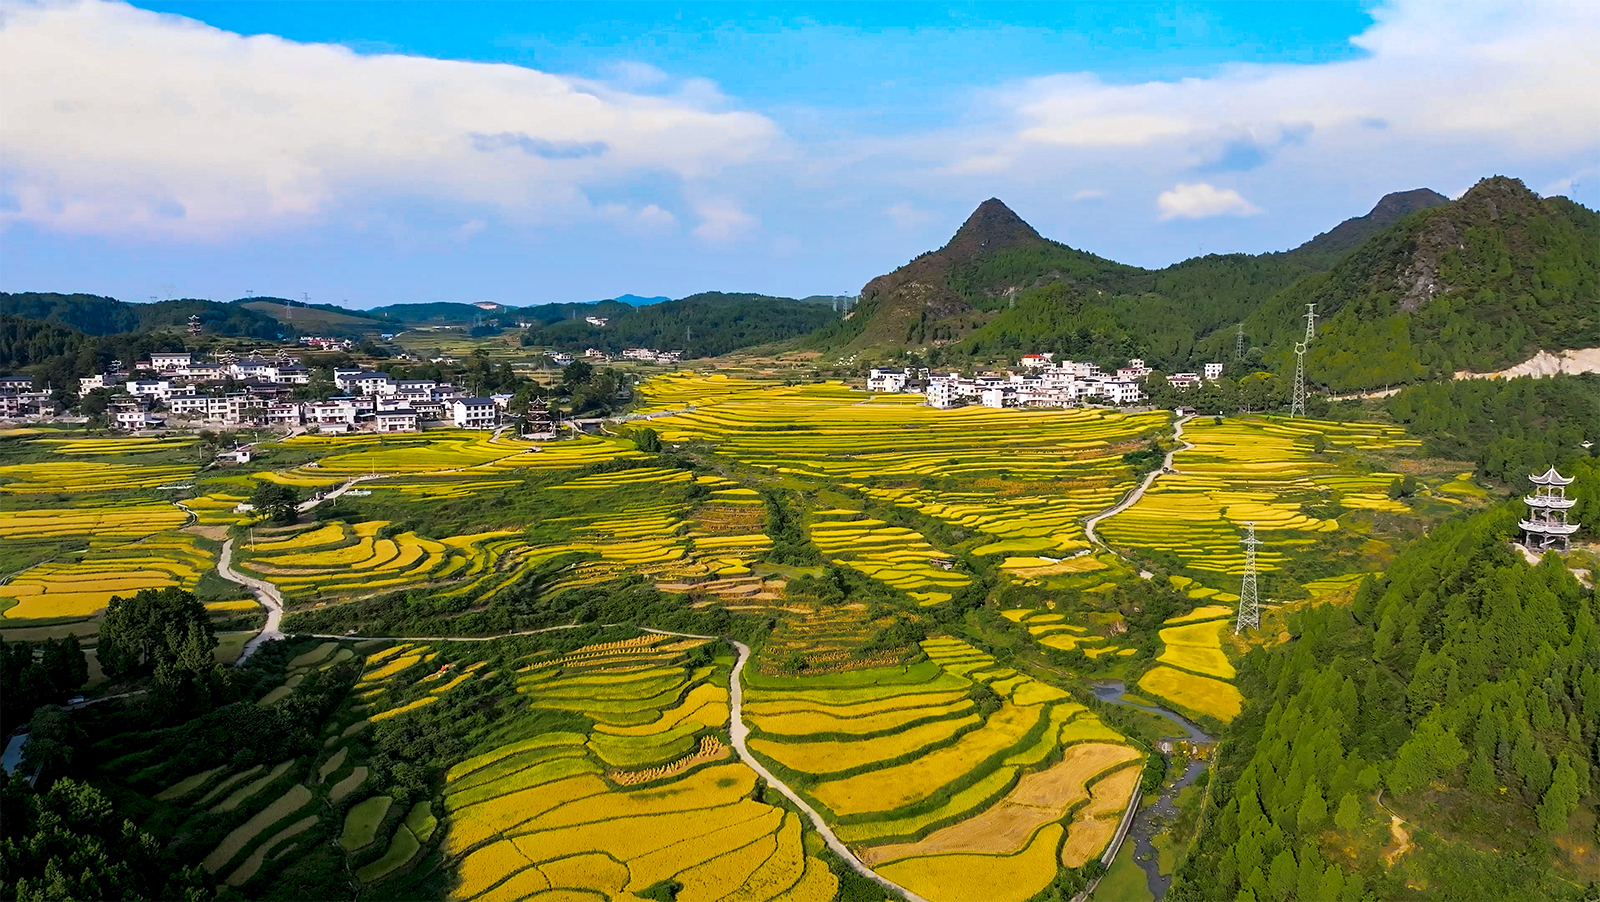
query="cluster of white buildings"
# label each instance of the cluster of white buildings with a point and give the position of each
(18, 398)
(323, 343)
(187, 388)
(650, 355)
(1043, 382)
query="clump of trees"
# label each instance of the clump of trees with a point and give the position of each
(38, 673)
(276, 503)
(163, 634)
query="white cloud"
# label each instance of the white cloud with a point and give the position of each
(471, 227)
(649, 219)
(722, 220)
(123, 121)
(1198, 200)
(1089, 194)
(1514, 76)
(908, 216)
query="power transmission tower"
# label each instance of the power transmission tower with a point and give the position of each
(1249, 599)
(1238, 343)
(1297, 406)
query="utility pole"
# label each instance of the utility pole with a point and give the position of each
(1249, 599)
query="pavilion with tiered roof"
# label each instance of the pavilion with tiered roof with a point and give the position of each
(1546, 527)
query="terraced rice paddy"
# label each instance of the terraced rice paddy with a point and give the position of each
(82, 477)
(896, 555)
(474, 454)
(1053, 631)
(951, 798)
(649, 794)
(1194, 673)
(1257, 470)
(79, 588)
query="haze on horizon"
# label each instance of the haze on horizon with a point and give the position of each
(371, 154)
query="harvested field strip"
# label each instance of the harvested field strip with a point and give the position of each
(1093, 825)
(976, 878)
(252, 864)
(296, 798)
(1037, 799)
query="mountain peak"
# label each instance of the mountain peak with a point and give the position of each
(991, 227)
(1390, 209)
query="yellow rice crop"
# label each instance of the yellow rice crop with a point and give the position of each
(982, 878)
(1200, 694)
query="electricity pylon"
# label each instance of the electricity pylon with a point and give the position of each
(1297, 406)
(1238, 343)
(1249, 599)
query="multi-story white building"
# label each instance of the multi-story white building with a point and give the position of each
(137, 419)
(364, 382)
(397, 420)
(888, 381)
(170, 361)
(152, 388)
(475, 413)
(944, 394)
(996, 397)
(336, 412)
(1213, 371)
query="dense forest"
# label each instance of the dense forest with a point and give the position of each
(96, 315)
(1461, 692)
(1510, 428)
(701, 325)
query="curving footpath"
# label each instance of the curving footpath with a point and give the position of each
(1138, 491)
(266, 593)
(738, 730)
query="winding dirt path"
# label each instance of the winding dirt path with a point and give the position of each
(1138, 491)
(266, 593)
(739, 731)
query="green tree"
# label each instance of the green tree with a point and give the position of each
(1313, 808)
(1561, 800)
(1348, 817)
(69, 843)
(647, 440)
(275, 503)
(155, 628)
(1282, 876)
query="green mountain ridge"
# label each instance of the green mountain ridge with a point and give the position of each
(1418, 287)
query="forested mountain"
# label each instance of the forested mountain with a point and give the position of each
(56, 355)
(1478, 283)
(1465, 686)
(701, 325)
(1344, 237)
(96, 315)
(1419, 286)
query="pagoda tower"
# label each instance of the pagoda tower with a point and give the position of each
(1547, 526)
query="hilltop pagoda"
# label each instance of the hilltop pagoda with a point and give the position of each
(1547, 526)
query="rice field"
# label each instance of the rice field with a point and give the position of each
(82, 587)
(651, 793)
(953, 800)
(1053, 631)
(1259, 470)
(896, 555)
(84, 477)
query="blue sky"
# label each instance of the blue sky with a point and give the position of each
(370, 153)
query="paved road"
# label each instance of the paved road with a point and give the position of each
(738, 731)
(265, 592)
(1138, 491)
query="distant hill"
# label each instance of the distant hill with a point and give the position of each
(97, 315)
(326, 319)
(634, 300)
(701, 325)
(1477, 283)
(1344, 237)
(945, 294)
(1419, 285)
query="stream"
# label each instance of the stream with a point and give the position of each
(1148, 821)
